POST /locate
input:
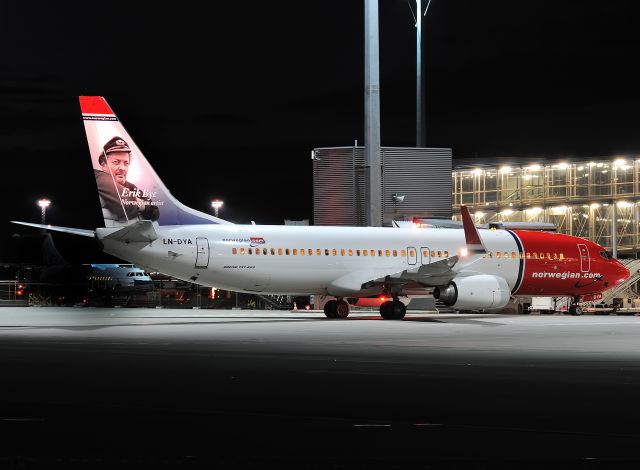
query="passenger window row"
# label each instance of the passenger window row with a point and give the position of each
(521, 255)
(318, 252)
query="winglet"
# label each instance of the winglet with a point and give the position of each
(471, 235)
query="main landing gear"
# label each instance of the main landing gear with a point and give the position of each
(338, 308)
(574, 308)
(393, 310)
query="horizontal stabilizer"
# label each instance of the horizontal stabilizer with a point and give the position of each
(55, 228)
(142, 231)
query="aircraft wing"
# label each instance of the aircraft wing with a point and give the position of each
(434, 274)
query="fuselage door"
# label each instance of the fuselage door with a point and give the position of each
(424, 255)
(412, 256)
(585, 260)
(202, 255)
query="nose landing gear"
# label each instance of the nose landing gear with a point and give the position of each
(574, 308)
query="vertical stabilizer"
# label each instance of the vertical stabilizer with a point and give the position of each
(128, 187)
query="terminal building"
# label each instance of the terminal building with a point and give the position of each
(596, 199)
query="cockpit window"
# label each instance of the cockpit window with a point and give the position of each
(605, 254)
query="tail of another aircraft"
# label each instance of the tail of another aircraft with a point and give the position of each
(128, 187)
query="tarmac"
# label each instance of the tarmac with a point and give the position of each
(129, 387)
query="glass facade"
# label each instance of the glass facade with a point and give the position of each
(589, 199)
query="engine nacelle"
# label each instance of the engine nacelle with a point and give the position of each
(479, 292)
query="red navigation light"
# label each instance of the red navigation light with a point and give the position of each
(19, 292)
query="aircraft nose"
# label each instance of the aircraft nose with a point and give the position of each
(621, 273)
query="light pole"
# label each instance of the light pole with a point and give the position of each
(216, 204)
(420, 134)
(43, 203)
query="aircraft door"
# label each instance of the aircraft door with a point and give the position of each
(202, 253)
(425, 256)
(585, 260)
(412, 257)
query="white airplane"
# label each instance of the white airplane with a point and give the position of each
(467, 269)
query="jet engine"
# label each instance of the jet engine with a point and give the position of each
(479, 292)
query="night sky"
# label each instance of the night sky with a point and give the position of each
(229, 102)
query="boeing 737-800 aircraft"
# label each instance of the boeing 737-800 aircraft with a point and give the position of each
(469, 269)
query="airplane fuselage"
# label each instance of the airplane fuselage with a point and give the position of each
(319, 260)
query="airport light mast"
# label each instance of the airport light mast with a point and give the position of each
(373, 161)
(420, 133)
(216, 204)
(43, 203)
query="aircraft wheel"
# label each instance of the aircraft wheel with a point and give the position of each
(342, 309)
(393, 310)
(575, 310)
(331, 309)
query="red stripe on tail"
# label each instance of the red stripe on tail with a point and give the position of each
(94, 105)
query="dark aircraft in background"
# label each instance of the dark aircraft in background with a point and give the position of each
(61, 282)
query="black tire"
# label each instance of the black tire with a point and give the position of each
(331, 309)
(342, 309)
(393, 310)
(575, 310)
